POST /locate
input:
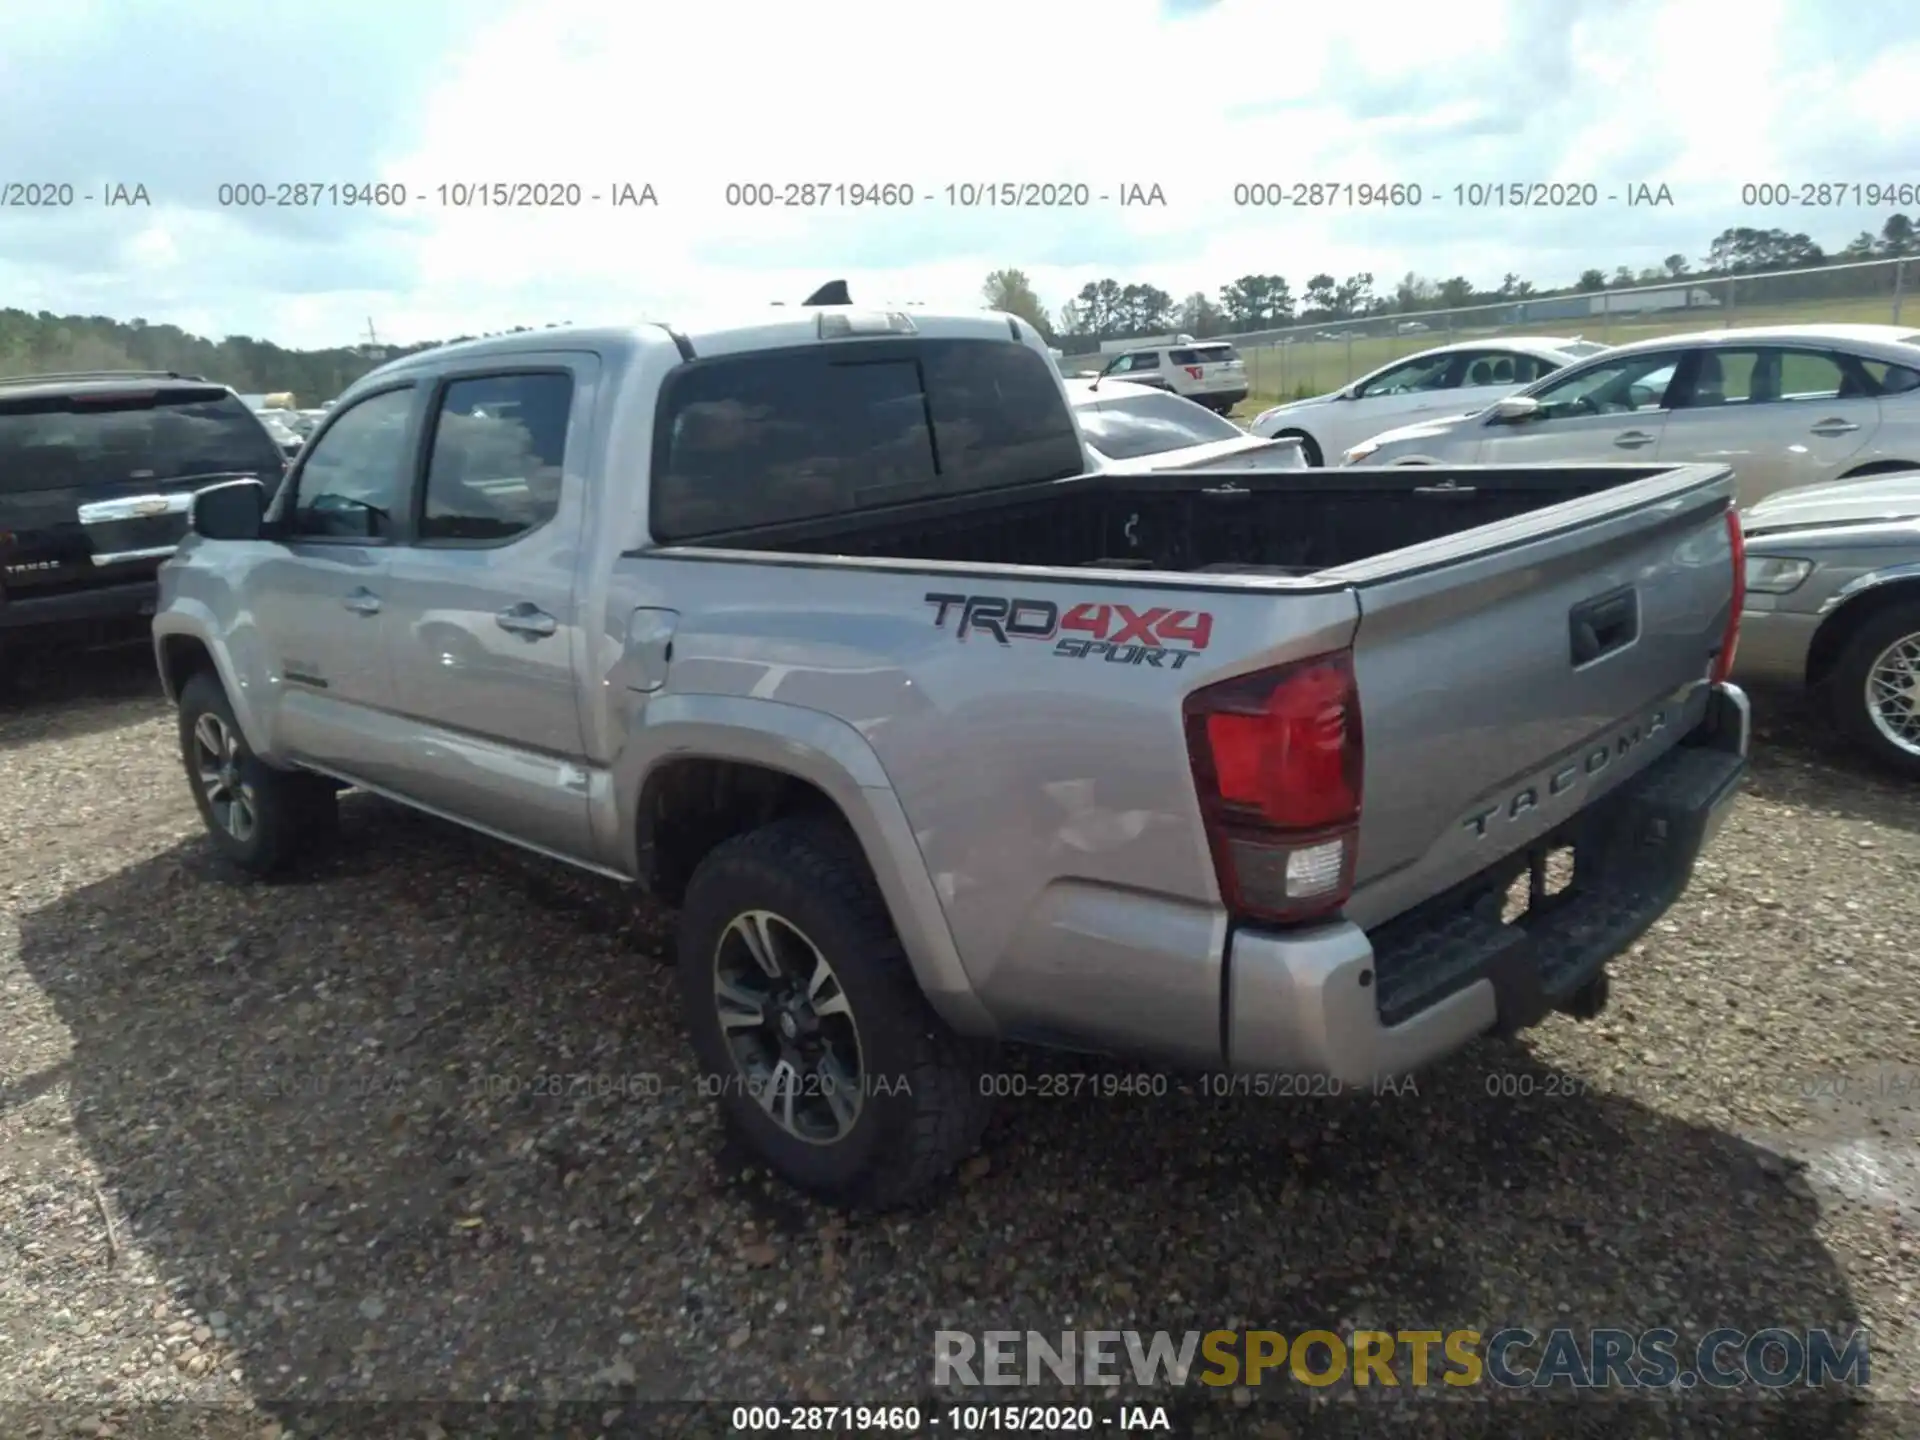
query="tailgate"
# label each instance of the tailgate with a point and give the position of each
(57, 541)
(97, 478)
(1511, 674)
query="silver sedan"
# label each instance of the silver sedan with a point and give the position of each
(1133, 428)
(1784, 405)
(1833, 604)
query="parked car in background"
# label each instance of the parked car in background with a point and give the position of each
(1833, 604)
(1444, 380)
(97, 472)
(1132, 427)
(1784, 406)
(280, 425)
(1208, 372)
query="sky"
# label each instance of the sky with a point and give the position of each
(1191, 98)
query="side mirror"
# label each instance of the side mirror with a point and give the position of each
(1515, 410)
(231, 510)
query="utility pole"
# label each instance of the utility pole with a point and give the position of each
(372, 338)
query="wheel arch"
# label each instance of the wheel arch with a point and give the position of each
(183, 648)
(1880, 467)
(1311, 449)
(1871, 595)
(708, 767)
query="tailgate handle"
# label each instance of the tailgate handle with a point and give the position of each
(1604, 624)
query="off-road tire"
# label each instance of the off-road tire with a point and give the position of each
(925, 1102)
(1844, 692)
(294, 813)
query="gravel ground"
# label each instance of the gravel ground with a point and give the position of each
(265, 1147)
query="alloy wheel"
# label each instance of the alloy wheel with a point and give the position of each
(789, 1027)
(1893, 693)
(217, 758)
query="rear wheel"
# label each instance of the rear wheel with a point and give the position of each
(1309, 450)
(1873, 692)
(259, 818)
(809, 1026)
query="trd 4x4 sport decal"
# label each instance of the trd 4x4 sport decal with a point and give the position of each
(1092, 630)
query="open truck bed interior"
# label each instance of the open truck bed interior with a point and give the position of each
(1240, 521)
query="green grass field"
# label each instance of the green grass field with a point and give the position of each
(1313, 367)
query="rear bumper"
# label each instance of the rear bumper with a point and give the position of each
(1337, 1001)
(78, 607)
(1774, 645)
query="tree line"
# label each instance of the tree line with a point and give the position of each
(1110, 310)
(36, 344)
(1103, 310)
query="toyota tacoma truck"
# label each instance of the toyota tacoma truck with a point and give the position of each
(821, 627)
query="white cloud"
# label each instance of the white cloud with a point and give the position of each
(1103, 92)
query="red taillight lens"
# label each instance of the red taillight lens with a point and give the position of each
(1730, 641)
(1277, 758)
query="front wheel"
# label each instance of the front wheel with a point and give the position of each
(809, 1026)
(260, 819)
(1309, 447)
(1873, 691)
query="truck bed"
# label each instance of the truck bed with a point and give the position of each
(1503, 621)
(1238, 520)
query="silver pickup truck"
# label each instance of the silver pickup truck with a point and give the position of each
(819, 627)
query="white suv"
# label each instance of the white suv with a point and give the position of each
(1209, 372)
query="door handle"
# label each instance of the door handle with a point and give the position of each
(1603, 624)
(1633, 439)
(526, 619)
(363, 602)
(1835, 426)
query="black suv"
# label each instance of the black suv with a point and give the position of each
(97, 472)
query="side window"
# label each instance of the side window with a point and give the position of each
(1891, 379)
(1722, 376)
(1617, 386)
(1147, 360)
(1429, 373)
(1766, 375)
(1821, 375)
(1475, 368)
(1521, 369)
(499, 448)
(807, 432)
(354, 479)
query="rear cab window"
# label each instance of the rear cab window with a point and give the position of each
(821, 430)
(87, 438)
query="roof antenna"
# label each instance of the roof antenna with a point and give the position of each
(834, 292)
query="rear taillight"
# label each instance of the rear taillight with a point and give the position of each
(1277, 759)
(1730, 641)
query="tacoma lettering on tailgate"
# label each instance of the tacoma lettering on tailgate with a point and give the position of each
(1157, 636)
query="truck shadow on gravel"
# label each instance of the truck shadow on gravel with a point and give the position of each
(421, 1124)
